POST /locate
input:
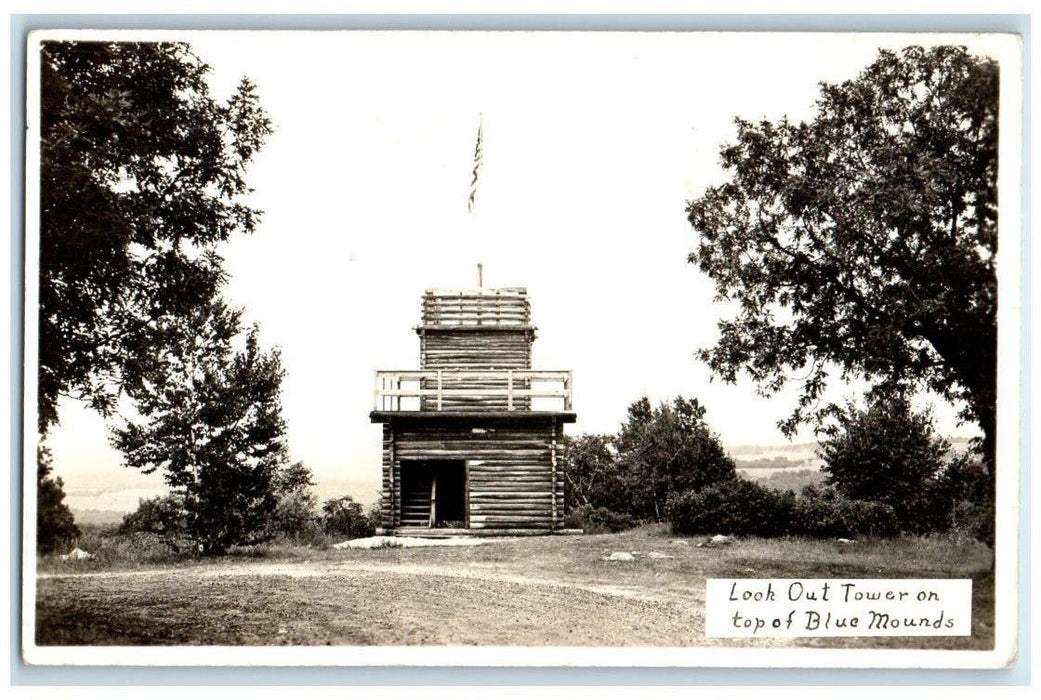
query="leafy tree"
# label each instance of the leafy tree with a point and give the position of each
(142, 174)
(864, 241)
(591, 473)
(55, 525)
(886, 453)
(345, 516)
(668, 450)
(211, 422)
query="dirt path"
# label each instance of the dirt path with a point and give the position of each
(352, 602)
(479, 572)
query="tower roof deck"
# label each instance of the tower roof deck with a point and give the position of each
(486, 308)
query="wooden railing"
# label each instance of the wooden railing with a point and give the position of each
(476, 307)
(511, 389)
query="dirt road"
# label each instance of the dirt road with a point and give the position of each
(355, 603)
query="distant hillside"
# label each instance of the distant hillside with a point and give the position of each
(789, 448)
(91, 516)
(788, 479)
(776, 463)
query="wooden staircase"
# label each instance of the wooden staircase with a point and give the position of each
(416, 506)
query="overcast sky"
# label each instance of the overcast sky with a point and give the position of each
(592, 145)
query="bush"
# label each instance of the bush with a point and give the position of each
(295, 517)
(596, 521)
(162, 516)
(592, 475)
(742, 507)
(733, 507)
(975, 519)
(962, 499)
(824, 512)
(111, 548)
(344, 516)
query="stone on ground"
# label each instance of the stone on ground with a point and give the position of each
(390, 541)
(620, 556)
(76, 555)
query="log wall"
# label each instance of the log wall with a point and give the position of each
(495, 348)
(512, 476)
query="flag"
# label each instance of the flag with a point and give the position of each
(477, 167)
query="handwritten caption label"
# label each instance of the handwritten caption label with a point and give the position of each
(817, 607)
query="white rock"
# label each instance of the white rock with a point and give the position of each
(76, 555)
(620, 556)
(843, 540)
(388, 541)
(682, 543)
(720, 539)
(660, 555)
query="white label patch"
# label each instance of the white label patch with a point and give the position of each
(816, 607)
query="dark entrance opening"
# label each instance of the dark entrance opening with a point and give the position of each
(433, 493)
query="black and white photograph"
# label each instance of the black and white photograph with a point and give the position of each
(522, 348)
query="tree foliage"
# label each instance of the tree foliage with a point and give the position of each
(55, 524)
(864, 240)
(211, 423)
(296, 514)
(887, 453)
(142, 173)
(163, 516)
(591, 474)
(668, 450)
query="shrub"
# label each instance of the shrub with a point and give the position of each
(162, 516)
(592, 475)
(596, 521)
(962, 499)
(344, 516)
(824, 512)
(975, 519)
(375, 514)
(742, 507)
(110, 548)
(733, 507)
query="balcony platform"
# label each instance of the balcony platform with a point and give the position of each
(480, 390)
(491, 417)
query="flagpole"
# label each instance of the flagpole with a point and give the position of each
(471, 202)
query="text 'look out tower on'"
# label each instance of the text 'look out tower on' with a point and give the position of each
(472, 440)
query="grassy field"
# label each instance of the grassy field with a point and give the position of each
(524, 591)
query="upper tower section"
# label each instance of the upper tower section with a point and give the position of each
(474, 357)
(476, 329)
(505, 307)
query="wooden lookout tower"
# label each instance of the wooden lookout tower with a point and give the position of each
(471, 441)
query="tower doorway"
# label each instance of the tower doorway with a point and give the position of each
(433, 493)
